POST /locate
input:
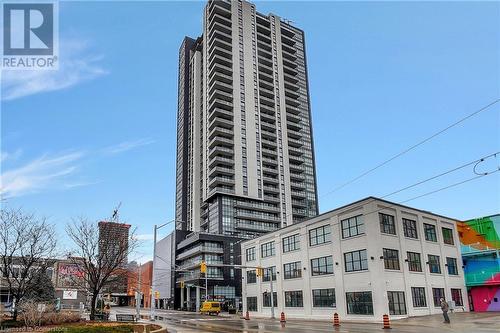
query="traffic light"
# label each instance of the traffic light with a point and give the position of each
(259, 271)
(182, 284)
(203, 267)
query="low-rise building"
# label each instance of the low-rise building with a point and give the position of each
(69, 284)
(362, 260)
(139, 278)
(480, 240)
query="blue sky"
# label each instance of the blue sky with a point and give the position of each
(382, 77)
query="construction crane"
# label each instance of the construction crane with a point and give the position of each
(115, 217)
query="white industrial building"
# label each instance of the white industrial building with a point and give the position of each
(363, 260)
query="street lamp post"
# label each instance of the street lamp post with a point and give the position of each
(153, 282)
(206, 286)
(138, 296)
(152, 303)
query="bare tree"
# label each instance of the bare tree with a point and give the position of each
(101, 261)
(26, 245)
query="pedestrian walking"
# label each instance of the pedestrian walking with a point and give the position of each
(445, 307)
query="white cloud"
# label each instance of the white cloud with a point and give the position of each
(54, 171)
(76, 66)
(41, 173)
(127, 145)
(4, 156)
(80, 184)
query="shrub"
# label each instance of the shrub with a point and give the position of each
(30, 314)
(58, 318)
(32, 317)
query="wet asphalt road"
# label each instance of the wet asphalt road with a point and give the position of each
(188, 322)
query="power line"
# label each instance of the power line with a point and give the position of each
(452, 185)
(411, 148)
(434, 191)
(389, 205)
(476, 162)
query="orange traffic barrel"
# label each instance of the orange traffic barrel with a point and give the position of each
(336, 321)
(387, 324)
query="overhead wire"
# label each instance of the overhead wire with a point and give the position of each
(475, 162)
(412, 147)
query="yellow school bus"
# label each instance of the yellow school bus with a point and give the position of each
(210, 307)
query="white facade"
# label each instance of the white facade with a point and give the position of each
(377, 279)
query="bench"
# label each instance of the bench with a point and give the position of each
(125, 317)
(101, 317)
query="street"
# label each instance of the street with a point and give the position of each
(189, 322)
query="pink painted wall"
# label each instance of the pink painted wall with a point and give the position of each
(483, 298)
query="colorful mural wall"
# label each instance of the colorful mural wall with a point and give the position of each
(480, 243)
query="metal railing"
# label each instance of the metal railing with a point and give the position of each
(482, 279)
(476, 248)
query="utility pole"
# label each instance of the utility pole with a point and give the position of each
(138, 297)
(152, 303)
(204, 270)
(206, 286)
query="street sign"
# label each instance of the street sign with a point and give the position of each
(70, 294)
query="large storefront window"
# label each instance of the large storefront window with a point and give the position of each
(266, 299)
(293, 299)
(456, 296)
(397, 304)
(324, 298)
(252, 303)
(437, 294)
(359, 303)
(418, 295)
